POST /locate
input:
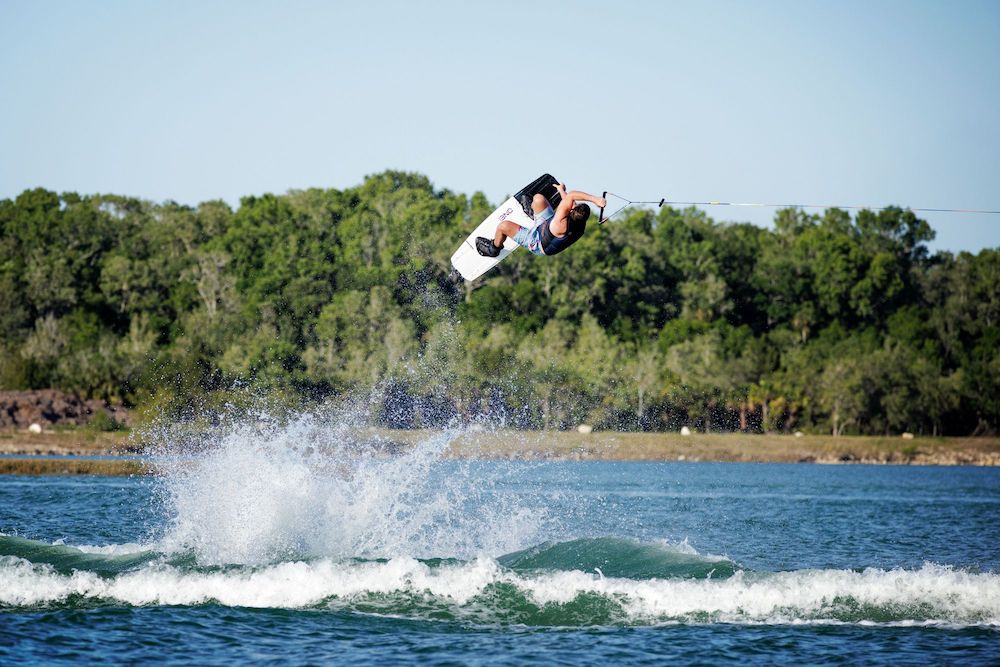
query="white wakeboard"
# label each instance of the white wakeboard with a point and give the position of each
(467, 260)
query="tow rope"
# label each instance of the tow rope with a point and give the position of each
(629, 202)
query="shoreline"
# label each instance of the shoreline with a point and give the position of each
(60, 449)
(730, 448)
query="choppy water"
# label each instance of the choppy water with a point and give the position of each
(285, 546)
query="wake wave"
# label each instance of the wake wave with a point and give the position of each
(513, 589)
(66, 559)
(618, 557)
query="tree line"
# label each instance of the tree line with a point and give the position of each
(656, 320)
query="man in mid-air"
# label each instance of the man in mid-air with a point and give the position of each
(555, 231)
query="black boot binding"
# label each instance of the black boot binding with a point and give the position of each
(486, 248)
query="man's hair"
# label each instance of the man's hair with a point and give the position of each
(579, 214)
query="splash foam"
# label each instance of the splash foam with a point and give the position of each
(260, 492)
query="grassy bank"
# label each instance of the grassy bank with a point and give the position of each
(716, 447)
(72, 467)
(535, 445)
(75, 442)
(737, 447)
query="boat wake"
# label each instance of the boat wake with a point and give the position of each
(308, 514)
(599, 581)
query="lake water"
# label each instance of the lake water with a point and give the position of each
(267, 550)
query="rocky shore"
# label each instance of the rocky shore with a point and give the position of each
(47, 408)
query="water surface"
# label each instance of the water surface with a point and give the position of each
(262, 551)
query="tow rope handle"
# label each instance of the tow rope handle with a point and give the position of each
(600, 218)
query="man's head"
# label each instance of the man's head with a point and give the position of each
(578, 215)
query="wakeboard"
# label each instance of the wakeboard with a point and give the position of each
(467, 260)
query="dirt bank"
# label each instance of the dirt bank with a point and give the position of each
(527, 445)
(717, 447)
(69, 443)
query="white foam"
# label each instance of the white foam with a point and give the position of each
(931, 595)
(286, 585)
(685, 547)
(125, 549)
(790, 596)
(306, 489)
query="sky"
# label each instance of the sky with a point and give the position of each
(875, 102)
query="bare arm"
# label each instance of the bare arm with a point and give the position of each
(577, 195)
(569, 200)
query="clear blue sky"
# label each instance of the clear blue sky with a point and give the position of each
(844, 102)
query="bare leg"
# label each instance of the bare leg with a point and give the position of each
(508, 228)
(539, 203)
(505, 229)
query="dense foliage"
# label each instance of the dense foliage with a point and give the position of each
(656, 320)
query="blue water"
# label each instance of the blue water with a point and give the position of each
(259, 553)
